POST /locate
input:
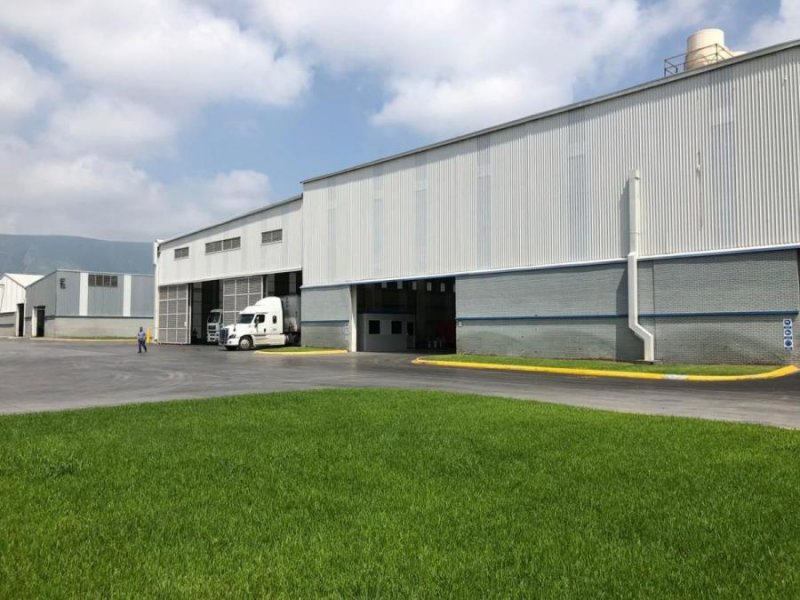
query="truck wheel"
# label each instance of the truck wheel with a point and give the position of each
(245, 344)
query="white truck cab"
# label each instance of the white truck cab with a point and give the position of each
(213, 325)
(265, 323)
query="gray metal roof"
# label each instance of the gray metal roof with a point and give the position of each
(605, 98)
(232, 219)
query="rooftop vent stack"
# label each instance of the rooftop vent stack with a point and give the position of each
(706, 47)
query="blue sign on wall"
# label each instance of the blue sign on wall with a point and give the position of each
(788, 335)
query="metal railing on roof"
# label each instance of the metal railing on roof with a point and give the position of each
(700, 57)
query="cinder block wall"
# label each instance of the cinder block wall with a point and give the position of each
(325, 319)
(556, 313)
(96, 326)
(726, 308)
(708, 309)
(7, 323)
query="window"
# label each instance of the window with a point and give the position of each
(272, 237)
(229, 244)
(182, 252)
(232, 244)
(98, 280)
(374, 327)
(260, 319)
(397, 327)
(274, 319)
(62, 283)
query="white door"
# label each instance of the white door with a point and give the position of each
(273, 326)
(260, 328)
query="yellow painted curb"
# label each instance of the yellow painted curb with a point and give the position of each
(313, 353)
(782, 372)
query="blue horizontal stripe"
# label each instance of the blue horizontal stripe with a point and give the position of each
(745, 313)
(757, 313)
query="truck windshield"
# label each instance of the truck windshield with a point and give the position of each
(215, 317)
(245, 319)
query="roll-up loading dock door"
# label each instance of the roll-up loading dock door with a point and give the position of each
(238, 294)
(173, 314)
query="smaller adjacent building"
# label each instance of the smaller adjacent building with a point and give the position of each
(69, 303)
(12, 302)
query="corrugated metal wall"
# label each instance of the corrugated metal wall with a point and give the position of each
(718, 154)
(107, 301)
(42, 293)
(141, 295)
(253, 256)
(68, 296)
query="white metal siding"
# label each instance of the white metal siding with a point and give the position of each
(11, 294)
(252, 258)
(718, 153)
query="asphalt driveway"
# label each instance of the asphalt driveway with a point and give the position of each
(42, 375)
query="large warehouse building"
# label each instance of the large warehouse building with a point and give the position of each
(661, 222)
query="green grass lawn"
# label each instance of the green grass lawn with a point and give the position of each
(365, 493)
(610, 365)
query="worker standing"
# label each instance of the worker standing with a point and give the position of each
(142, 338)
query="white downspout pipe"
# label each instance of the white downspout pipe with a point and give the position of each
(633, 269)
(156, 296)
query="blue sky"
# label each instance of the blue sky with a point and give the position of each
(137, 120)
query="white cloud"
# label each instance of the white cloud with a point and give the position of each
(134, 75)
(110, 126)
(22, 88)
(89, 195)
(165, 52)
(456, 65)
(783, 27)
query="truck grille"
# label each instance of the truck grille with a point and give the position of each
(223, 337)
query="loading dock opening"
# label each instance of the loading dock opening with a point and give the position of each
(206, 296)
(403, 316)
(233, 295)
(39, 321)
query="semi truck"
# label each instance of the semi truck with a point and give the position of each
(213, 325)
(272, 321)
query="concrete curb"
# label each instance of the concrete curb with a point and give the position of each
(782, 372)
(312, 353)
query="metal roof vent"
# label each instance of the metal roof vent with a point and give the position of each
(704, 47)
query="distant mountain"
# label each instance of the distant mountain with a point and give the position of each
(43, 254)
